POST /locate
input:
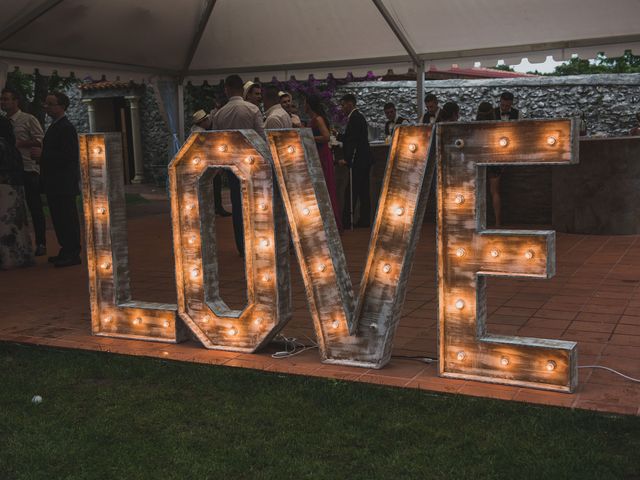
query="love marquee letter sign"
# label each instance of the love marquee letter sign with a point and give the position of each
(282, 182)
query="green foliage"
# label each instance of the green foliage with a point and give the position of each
(627, 63)
(503, 67)
(112, 416)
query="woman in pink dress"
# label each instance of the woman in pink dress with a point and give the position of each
(319, 123)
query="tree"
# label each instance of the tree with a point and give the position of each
(627, 63)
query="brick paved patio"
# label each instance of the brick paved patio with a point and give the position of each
(594, 299)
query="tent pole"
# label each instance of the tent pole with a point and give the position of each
(180, 111)
(420, 89)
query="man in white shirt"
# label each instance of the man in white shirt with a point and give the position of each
(29, 135)
(286, 102)
(252, 93)
(237, 114)
(275, 115)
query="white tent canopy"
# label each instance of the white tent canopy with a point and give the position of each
(208, 39)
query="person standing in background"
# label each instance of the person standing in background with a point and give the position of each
(505, 110)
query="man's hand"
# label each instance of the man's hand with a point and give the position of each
(342, 162)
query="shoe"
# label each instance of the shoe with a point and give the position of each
(67, 262)
(223, 213)
(41, 250)
(53, 259)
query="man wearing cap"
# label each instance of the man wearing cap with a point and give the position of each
(252, 93)
(506, 111)
(286, 101)
(237, 114)
(201, 122)
(275, 116)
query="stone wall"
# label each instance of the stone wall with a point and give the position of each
(609, 102)
(155, 139)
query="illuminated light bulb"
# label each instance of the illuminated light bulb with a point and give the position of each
(495, 253)
(196, 160)
(206, 319)
(101, 210)
(459, 304)
(291, 149)
(108, 319)
(258, 321)
(399, 211)
(192, 239)
(459, 143)
(222, 148)
(322, 267)
(373, 326)
(195, 272)
(386, 268)
(503, 142)
(166, 324)
(336, 324)
(249, 160)
(106, 265)
(262, 206)
(413, 147)
(97, 150)
(137, 321)
(461, 355)
(266, 277)
(504, 361)
(164, 352)
(306, 212)
(264, 242)
(460, 252)
(551, 365)
(551, 140)
(528, 254)
(190, 207)
(232, 331)
(459, 199)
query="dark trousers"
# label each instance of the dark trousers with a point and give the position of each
(217, 192)
(236, 211)
(64, 215)
(360, 192)
(34, 202)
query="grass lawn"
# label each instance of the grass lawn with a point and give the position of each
(106, 416)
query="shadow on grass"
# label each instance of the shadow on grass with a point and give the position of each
(112, 416)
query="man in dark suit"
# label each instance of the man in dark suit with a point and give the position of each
(393, 118)
(60, 170)
(357, 155)
(506, 111)
(431, 109)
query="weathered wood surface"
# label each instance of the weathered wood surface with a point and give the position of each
(354, 331)
(467, 253)
(265, 237)
(113, 312)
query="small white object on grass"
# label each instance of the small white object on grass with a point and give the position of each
(36, 399)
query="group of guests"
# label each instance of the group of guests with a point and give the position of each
(256, 107)
(31, 163)
(450, 112)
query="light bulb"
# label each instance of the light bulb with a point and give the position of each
(528, 254)
(97, 150)
(206, 319)
(108, 319)
(233, 331)
(551, 140)
(459, 304)
(222, 148)
(322, 267)
(102, 210)
(106, 265)
(399, 211)
(459, 143)
(460, 252)
(503, 142)
(137, 321)
(262, 206)
(386, 268)
(291, 149)
(266, 277)
(495, 253)
(551, 365)
(504, 361)
(412, 147)
(306, 212)
(459, 199)
(335, 324)
(461, 355)
(264, 242)
(249, 160)
(190, 207)
(258, 321)
(196, 160)
(373, 326)
(192, 239)
(195, 272)
(166, 324)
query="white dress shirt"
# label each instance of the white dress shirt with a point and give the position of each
(277, 117)
(238, 114)
(27, 127)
